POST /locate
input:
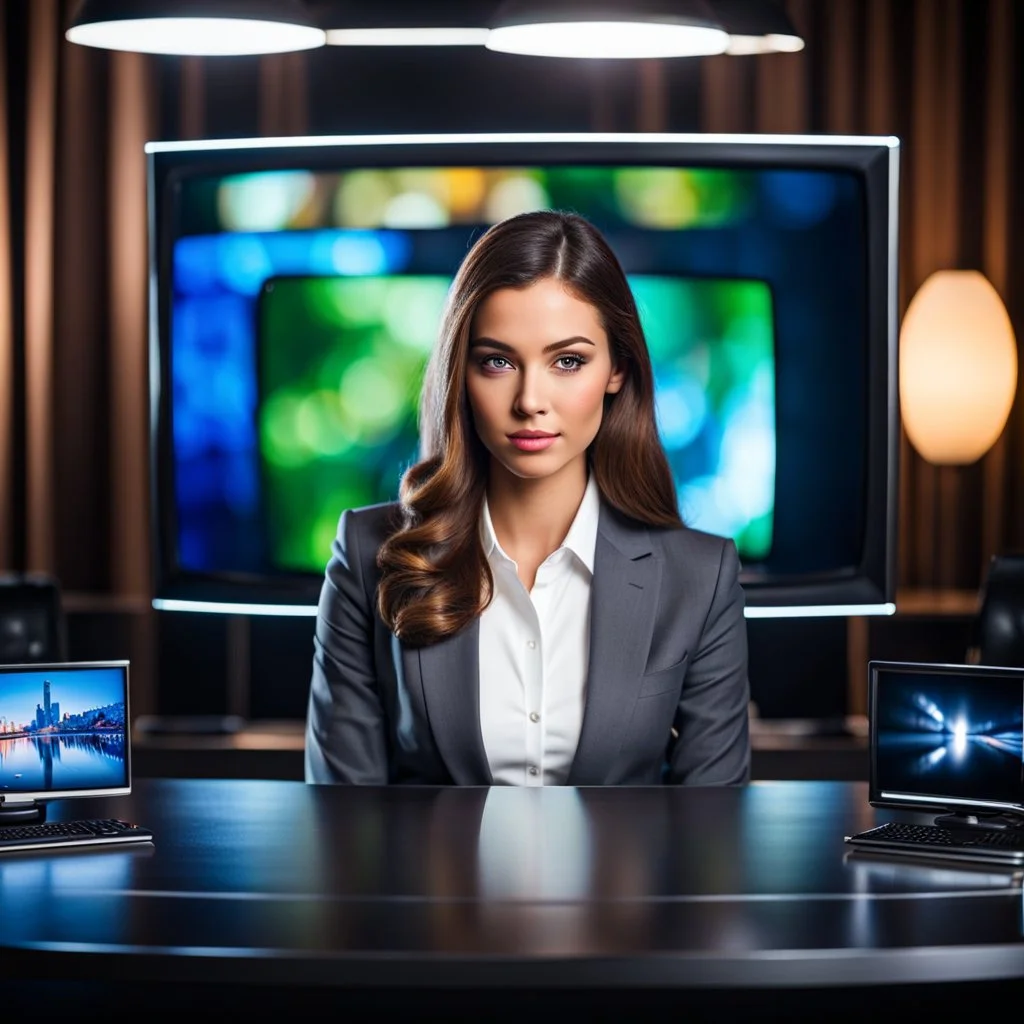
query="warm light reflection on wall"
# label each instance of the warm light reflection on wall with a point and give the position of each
(958, 367)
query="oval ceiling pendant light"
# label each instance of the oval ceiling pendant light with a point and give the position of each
(196, 27)
(607, 29)
(958, 367)
(757, 26)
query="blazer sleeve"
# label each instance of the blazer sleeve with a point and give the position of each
(345, 723)
(713, 745)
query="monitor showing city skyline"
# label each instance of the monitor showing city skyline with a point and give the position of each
(63, 729)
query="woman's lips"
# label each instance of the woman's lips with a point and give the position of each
(536, 443)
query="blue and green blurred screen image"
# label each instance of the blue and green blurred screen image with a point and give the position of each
(303, 305)
(341, 360)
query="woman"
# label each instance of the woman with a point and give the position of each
(532, 611)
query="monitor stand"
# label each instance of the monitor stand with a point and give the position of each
(21, 812)
(972, 819)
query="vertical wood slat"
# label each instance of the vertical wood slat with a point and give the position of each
(651, 96)
(40, 146)
(782, 106)
(6, 339)
(933, 244)
(842, 68)
(602, 102)
(193, 97)
(724, 86)
(81, 469)
(783, 88)
(130, 123)
(283, 95)
(996, 245)
(879, 81)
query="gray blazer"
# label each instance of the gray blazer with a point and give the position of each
(666, 695)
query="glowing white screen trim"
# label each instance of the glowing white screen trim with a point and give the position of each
(168, 604)
(659, 138)
(811, 611)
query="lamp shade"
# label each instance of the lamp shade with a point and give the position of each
(195, 27)
(757, 26)
(957, 367)
(607, 29)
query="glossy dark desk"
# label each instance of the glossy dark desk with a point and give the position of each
(257, 891)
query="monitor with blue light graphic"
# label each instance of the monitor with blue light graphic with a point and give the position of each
(295, 279)
(947, 737)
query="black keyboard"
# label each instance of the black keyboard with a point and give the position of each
(990, 845)
(70, 835)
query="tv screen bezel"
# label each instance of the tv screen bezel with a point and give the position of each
(867, 588)
(11, 801)
(920, 801)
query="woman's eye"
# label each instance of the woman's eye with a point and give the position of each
(496, 363)
(570, 362)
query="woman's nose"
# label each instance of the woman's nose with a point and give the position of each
(529, 399)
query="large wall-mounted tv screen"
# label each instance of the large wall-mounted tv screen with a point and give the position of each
(298, 290)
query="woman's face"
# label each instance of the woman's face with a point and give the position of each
(539, 367)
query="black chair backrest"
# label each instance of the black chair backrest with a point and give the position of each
(1000, 624)
(32, 625)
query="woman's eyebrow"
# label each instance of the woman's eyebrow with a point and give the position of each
(553, 347)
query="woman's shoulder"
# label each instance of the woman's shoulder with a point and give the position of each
(697, 561)
(691, 551)
(689, 538)
(371, 524)
(680, 539)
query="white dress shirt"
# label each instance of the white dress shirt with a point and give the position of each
(534, 654)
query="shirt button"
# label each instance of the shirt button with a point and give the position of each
(534, 717)
(531, 644)
(534, 770)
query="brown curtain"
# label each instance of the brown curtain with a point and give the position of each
(73, 335)
(74, 487)
(940, 75)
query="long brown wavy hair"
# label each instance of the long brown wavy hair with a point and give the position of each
(435, 577)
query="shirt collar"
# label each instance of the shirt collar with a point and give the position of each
(581, 539)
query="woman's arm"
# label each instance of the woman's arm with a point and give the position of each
(345, 724)
(713, 745)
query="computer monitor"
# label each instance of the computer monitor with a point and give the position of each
(296, 290)
(948, 738)
(64, 732)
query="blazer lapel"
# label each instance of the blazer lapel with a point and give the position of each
(450, 674)
(623, 600)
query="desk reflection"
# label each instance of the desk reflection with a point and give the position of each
(546, 871)
(57, 879)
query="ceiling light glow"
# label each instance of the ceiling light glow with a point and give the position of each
(200, 37)
(740, 45)
(608, 39)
